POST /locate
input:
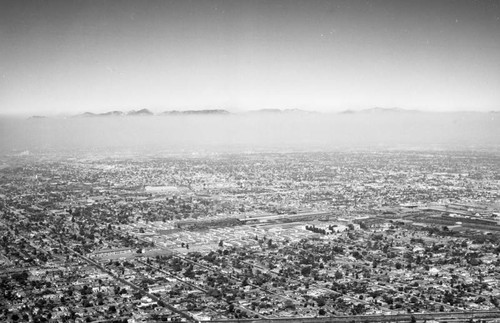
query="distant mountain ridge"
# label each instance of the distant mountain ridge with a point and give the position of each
(142, 112)
(112, 113)
(115, 113)
(270, 111)
(146, 112)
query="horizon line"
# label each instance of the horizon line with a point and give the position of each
(227, 111)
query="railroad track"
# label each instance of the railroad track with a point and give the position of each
(463, 316)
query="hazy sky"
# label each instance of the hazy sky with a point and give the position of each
(72, 56)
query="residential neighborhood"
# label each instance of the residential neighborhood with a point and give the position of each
(248, 236)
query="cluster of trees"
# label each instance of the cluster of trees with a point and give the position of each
(314, 229)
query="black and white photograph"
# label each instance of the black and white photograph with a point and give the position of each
(253, 161)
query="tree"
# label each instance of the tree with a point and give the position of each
(357, 255)
(189, 272)
(306, 271)
(289, 304)
(321, 302)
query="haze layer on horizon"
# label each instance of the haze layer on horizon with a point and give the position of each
(74, 56)
(256, 132)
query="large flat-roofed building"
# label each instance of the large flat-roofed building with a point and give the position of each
(110, 252)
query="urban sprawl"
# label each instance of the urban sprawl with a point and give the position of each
(344, 236)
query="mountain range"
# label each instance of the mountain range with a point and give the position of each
(147, 112)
